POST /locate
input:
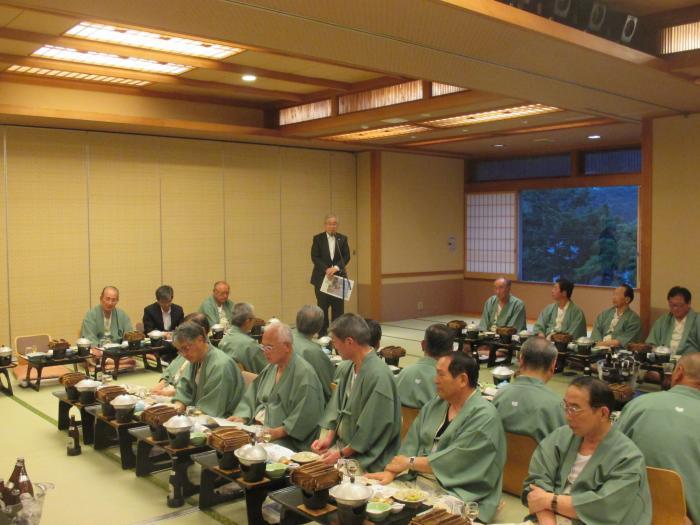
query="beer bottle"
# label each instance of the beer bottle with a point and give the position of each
(20, 479)
(73, 448)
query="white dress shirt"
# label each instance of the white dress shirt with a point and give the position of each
(331, 245)
(167, 321)
(677, 335)
(561, 312)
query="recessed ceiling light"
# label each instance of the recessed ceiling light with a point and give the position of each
(491, 116)
(364, 126)
(498, 145)
(593, 137)
(425, 114)
(151, 40)
(249, 78)
(108, 60)
(74, 75)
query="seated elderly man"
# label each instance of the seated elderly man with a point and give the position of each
(562, 315)
(456, 440)
(527, 406)
(416, 382)
(364, 413)
(286, 397)
(105, 323)
(502, 308)
(619, 325)
(664, 425)
(309, 322)
(679, 329)
(218, 307)
(171, 375)
(375, 330)
(212, 382)
(588, 472)
(238, 344)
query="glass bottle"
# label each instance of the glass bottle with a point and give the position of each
(20, 479)
(73, 448)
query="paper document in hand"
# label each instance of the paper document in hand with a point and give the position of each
(334, 286)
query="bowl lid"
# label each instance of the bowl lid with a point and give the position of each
(662, 350)
(502, 371)
(217, 327)
(251, 453)
(525, 332)
(324, 341)
(112, 345)
(155, 333)
(585, 341)
(351, 492)
(5, 350)
(87, 384)
(124, 400)
(472, 325)
(178, 423)
(83, 341)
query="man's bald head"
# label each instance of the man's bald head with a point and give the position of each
(687, 372)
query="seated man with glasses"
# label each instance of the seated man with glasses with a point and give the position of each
(212, 382)
(287, 397)
(588, 472)
(457, 443)
(679, 329)
(238, 344)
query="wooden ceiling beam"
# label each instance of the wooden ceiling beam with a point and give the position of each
(683, 60)
(82, 44)
(510, 132)
(352, 121)
(149, 77)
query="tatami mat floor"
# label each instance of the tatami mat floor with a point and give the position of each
(92, 488)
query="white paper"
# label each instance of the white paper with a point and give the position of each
(334, 286)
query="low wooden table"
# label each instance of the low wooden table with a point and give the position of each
(4, 371)
(213, 477)
(494, 346)
(45, 361)
(118, 354)
(290, 498)
(109, 433)
(87, 419)
(176, 459)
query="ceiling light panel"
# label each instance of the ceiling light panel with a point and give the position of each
(380, 133)
(74, 75)
(491, 116)
(149, 40)
(108, 60)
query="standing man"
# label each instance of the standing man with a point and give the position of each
(330, 254)
(218, 307)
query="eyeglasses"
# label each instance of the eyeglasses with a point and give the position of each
(572, 410)
(266, 348)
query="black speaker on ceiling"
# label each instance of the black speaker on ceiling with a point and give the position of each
(596, 19)
(563, 9)
(629, 29)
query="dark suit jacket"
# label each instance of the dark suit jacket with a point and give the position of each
(153, 317)
(321, 256)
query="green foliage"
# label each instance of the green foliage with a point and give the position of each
(585, 234)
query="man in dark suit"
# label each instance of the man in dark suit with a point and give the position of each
(330, 254)
(162, 315)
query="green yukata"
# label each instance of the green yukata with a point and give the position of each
(173, 373)
(664, 425)
(220, 385)
(243, 349)
(367, 415)
(416, 383)
(662, 330)
(512, 314)
(93, 327)
(469, 457)
(528, 407)
(295, 402)
(574, 321)
(313, 354)
(628, 328)
(211, 310)
(612, 488)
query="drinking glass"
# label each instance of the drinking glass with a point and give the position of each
(471, 510)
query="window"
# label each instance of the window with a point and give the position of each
(612, 161)
(491, 228)
(520, 168)
(588, 235)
